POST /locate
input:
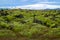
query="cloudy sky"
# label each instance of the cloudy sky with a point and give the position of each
(30, 4)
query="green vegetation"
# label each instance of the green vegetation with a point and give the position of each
(25, 24)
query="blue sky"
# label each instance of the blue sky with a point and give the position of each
(30, 4)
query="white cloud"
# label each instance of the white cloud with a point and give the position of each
(38, 6)
(53, 6)
(35, 6)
